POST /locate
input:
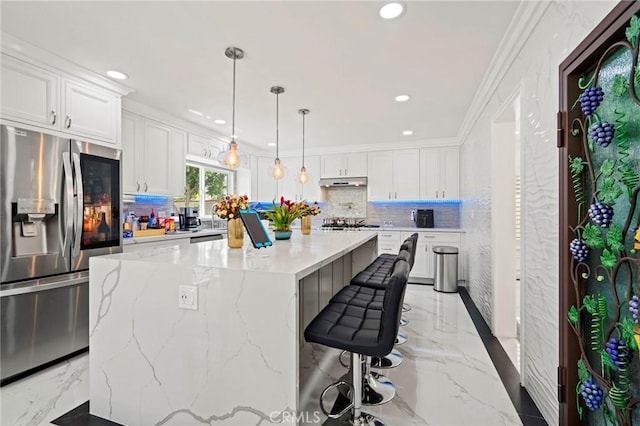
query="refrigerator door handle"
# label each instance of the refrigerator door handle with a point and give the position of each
(68, 220)
(78, 220)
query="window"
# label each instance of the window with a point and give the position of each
(204, 186)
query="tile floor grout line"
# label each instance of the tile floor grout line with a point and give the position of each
(507, 372)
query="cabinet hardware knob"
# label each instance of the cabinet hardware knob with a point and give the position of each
(137, 186)
(436, 194)
(396, 195)
(68, 122)
(204, 152)
(146, 187)
(54, 117)
(389, 195)
(442, 194)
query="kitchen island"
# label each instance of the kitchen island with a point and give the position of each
(232, 360)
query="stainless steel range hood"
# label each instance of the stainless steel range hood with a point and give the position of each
(345, 181)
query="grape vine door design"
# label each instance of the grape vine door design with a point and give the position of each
(599, 141)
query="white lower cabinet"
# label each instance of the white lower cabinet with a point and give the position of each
(390, 241)
(425, 258)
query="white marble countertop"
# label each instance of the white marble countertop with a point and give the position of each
(172, 236)
(299, 255)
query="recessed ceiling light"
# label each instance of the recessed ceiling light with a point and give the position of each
(407, 132)
(220, 121)
(402, 98)
(198, 113)
(271, 144)
(208, 117)
(391, 10)
(118, 75)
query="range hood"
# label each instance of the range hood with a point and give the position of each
(344, 181)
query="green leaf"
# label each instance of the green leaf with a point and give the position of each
(592, 236)
(608, 259)
(636, 75)
(609, 191)
(620, 85)
(614, 238)
(573, 315)
(628, 333)
(633, 30)
(607, 168)
(583, 373)
(606, 360)
(576, 165)
(590, 304)
(611, 415)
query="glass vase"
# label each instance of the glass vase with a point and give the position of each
(235, 233)
(305, 224)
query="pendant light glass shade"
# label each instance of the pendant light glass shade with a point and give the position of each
(278, 170)
(303, 176)
(231, 157)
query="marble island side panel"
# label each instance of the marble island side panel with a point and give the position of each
(234, 360)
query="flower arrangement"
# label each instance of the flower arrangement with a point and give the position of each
(306, 209)
(283, 214)
(227, 208)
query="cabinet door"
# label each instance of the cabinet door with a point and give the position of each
(156, 158)
(355, 164)
(311, 190)
(421, 265)
(267, 187)
(429, 174)
(450, 173)
(332, 165)
(406, 175)
(202, 147)
(89, 112)
(132, 152)
(177, 150)
(380, 181)
(30, 94)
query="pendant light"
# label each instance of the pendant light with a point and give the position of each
(230, 157)
(278, 170)
(303, 177)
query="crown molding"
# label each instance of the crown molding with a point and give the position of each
(386, 146)
(27, 52)
(525, 19)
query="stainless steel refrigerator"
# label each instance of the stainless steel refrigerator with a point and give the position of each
(60, 204)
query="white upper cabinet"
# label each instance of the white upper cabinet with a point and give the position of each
(153, 156)
(90, 112)
(30, 94)
(393, 175)
(439, 173)
(42, 98)
(206, 149)
(344, 165)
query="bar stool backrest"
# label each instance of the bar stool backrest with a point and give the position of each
(392, 304)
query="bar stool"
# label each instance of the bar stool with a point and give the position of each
(365, 332)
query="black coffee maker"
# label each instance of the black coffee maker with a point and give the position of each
(189, 220)
(424, 218)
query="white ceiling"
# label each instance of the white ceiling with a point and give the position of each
(339, 59)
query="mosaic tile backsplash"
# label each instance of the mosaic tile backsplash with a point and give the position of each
(346, 202)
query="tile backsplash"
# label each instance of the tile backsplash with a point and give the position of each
(445, 214)
(346, 202)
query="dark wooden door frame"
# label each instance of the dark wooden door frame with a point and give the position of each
(580, 61)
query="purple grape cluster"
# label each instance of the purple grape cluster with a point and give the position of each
(618, 351)
(602, 133)
(601, 214)
(579, 249)
(634, 304)
(592, 394)
(590, 100)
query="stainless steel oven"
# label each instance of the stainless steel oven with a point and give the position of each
(59, 205)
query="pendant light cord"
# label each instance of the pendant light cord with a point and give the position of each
(277, 115)
(233, 112)
(303, 139)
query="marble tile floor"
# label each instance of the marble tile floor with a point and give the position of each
(447, 377)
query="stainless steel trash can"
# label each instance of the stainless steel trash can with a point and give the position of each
(445, 269)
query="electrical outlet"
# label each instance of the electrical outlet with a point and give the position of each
(188, 297)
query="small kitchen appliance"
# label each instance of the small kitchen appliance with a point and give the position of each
(424, 218)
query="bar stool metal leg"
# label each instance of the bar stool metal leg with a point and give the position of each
(376, 388)
(391, 360)
(401, 339)
(360, 418)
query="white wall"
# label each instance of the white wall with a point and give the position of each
(561, 28)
